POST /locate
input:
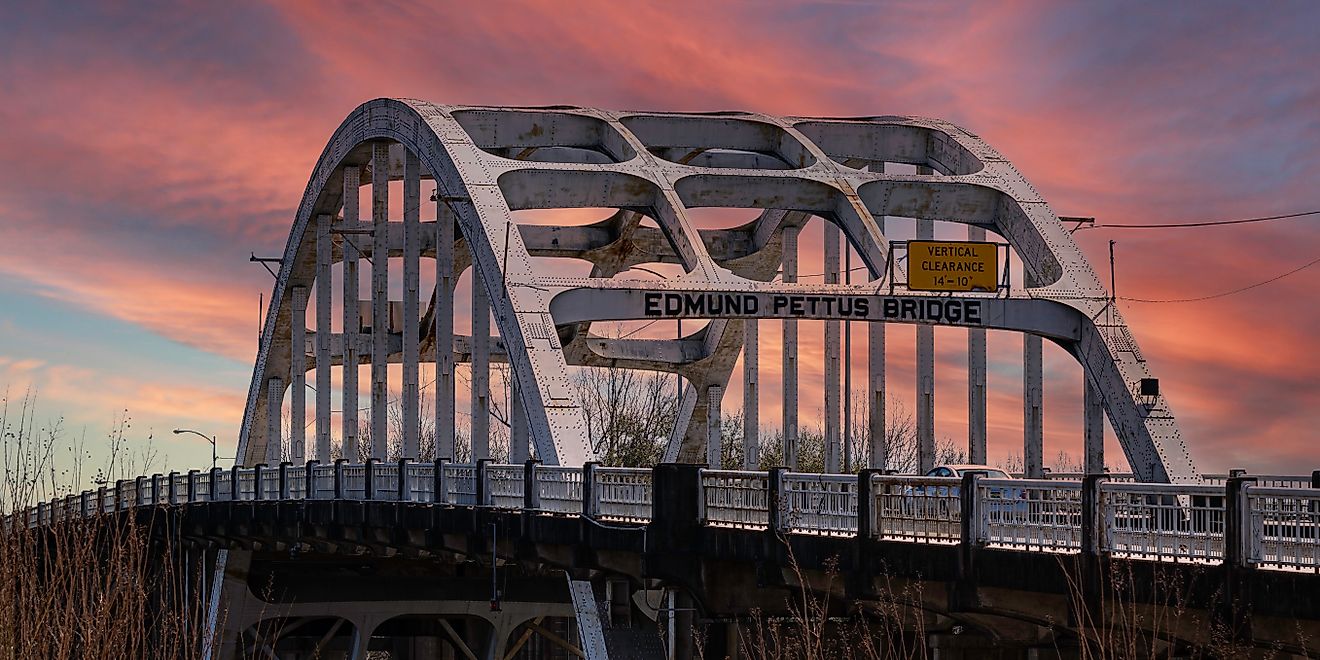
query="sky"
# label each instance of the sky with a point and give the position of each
(151, 148)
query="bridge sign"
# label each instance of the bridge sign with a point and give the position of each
(953, 266)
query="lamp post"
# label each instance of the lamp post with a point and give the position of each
(208, 438)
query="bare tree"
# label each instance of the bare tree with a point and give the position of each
(629, 414)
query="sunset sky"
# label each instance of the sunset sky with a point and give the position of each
(149, 151)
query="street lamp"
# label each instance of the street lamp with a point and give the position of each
(208, 438)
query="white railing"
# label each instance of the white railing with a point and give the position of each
(354, 483)
(504, 485)
(1166, 522)
(621, 494)
(323, 482)
(559, 489)
(735, 499)
(270, 483)
(818, 503)
(460, 484)
(1030, 514)
(1278, 526)
(385, 481)
(1284, 526)
(916, 508)
(421, 482)
(296, 476)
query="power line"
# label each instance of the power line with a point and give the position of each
(1208, 223)
(1249, 287)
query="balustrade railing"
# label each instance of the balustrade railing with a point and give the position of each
(459, 484)
(421, 482)
(621, 494)
(736, 499)
(504, 486)
(1284, 526)
(818, 503)
(1171, 522)
(916, 508)
(1029, 514)
(1278, 527)
(559, 489)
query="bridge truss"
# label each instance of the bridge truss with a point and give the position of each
(654, 168)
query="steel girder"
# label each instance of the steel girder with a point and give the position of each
(489, 162)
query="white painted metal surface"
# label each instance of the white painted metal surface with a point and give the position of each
(733, 498)
(590, 634)
(819, 503)
(487, 163)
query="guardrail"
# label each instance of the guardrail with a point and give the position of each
(1245, 521)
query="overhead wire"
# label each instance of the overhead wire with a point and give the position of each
(1206, 223)
(1222, 294)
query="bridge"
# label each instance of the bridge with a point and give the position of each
(994, 564)
(430, 549)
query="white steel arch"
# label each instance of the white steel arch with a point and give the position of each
(489, 162)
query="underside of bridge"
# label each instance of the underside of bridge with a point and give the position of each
(415, 581)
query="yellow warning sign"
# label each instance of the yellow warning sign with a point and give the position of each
(953, 266)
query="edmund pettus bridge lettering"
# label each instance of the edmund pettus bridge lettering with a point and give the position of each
(714, 304)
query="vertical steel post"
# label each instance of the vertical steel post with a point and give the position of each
(380, 298)
(480, 368)
(832, 453)
(714, 439)
(324, 294)
(519, 433)
(878, 454)
(444, 329)
(298, 375)
(1032, 402)
(751, 394)
(847, 465)
(976, 381)
(348, 416)
(925, 374)
(1093, 434)
(790, 355)
(412, 255)
(274, 416)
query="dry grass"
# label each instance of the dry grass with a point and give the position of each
(107, 587)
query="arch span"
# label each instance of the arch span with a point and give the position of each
(486, 162)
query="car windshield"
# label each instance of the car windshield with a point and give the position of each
(989, 473)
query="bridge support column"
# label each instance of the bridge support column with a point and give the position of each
(519, 438)
(1093, 435)
(976, 382)
(274, 408)
(480, 429)
(380, 300)
(714, 436)
(925, 375)
(790, 355)
(1032, 402)
(444, 329)
(324, 294)
(352, 320)
(412, 173)
(832, 453)
(878, 453)
(751, 394)
(298, 376)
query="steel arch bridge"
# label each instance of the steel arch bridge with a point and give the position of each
(489, 162)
